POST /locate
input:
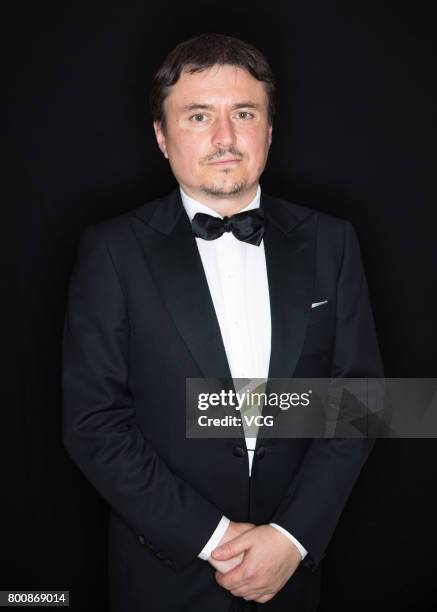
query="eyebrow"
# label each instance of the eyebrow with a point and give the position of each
(199, 106)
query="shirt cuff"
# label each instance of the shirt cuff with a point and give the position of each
(214, 540)
(298, 545)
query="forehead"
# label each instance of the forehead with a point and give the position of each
(217, 84)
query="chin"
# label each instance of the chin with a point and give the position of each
(230, 185)
(219, 190)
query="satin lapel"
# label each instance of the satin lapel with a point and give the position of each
(174, 260)
(289, 243)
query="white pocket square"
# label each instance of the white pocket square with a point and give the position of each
(318, 304)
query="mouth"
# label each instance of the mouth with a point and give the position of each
(224, 162)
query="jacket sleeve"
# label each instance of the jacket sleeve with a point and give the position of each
(166, 513)
(317, 495)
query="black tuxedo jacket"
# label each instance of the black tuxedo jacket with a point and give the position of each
(140, 320)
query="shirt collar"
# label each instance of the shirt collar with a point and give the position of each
(194, 206)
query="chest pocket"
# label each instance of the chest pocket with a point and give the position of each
(322, 313)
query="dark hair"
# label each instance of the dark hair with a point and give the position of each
(203, 52)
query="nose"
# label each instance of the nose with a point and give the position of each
(224, 133)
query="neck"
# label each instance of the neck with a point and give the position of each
(223, 205)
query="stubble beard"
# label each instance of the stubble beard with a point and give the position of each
(221, 190)
(217, 190)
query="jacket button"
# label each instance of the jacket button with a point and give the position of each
(238, 451)
(141, 539)
(260, 452)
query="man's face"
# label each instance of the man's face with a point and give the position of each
(217, 132)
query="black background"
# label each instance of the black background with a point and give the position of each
(353, 136)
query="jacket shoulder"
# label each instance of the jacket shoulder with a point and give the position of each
(117, 226)
(326, 222)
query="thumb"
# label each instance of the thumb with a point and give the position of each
(232, 548)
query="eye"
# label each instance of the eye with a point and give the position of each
(196, 117)
(245, 115)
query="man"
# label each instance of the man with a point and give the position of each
(183, 287)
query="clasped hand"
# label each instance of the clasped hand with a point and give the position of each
(254, 562)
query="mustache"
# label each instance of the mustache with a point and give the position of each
(224, 152)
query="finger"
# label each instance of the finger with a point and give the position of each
(225, 566)
(251, 591)
(252, 596)
(234, 547)
(248, 594)
(254, 586)
(265, 598)
(234, 579)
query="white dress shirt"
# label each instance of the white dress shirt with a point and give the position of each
(237, 279)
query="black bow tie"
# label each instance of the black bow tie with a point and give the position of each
(247, 226)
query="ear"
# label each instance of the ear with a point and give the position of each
(270, 134)
(160, 138)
